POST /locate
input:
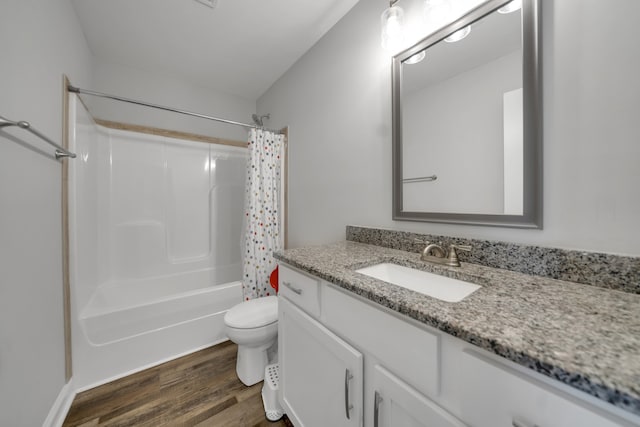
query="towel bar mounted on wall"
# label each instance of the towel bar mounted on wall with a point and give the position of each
(419, 179)
(60, 152)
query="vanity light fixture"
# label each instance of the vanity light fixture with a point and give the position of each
(437, 12)
(459, 35)
(414, 59)
(392, 21)
(511, 7)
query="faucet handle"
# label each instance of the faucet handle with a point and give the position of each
(416, 240)
(465, 248)
(453, 254)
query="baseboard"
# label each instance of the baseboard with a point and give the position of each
(60, 408)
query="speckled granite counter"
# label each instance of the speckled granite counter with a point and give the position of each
(581, 335)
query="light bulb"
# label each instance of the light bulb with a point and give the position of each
(414, 59)
(392, 21)
(511, 7)
(459, 35)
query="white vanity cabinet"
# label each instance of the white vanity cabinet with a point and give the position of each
(406, 374)
(326, 346)
(402, 362)
(320, 374)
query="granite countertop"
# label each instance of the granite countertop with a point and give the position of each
(581, 335)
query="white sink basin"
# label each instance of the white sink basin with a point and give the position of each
(433, 285)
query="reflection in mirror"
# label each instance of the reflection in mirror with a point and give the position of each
(461, 113)
(466, 122)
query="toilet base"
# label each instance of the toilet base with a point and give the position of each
(251, 363)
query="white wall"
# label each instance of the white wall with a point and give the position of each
(468, 160)
(166, 90)
(42, 40)
(337, 101)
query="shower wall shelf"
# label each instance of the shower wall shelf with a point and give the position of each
(60, 151)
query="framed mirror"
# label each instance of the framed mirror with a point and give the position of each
(467, 121)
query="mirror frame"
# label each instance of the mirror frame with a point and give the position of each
(532, 115)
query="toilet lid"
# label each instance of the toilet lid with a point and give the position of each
(253, 313)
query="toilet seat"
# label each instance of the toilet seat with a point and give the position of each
(254, 313)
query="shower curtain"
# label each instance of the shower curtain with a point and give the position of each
(262, 222)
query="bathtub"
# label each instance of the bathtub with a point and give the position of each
(129, 326)
(123, 310)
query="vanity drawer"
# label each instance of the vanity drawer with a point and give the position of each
(301, 289)
(495, 394)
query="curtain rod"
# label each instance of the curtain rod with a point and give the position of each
(74, 89)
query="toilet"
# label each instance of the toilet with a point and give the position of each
(253, 326)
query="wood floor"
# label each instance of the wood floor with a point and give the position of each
(200, 389)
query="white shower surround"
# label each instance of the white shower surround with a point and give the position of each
(155, 228)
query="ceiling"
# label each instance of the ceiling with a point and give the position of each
(241, 47)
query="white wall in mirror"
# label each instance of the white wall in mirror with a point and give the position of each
(454, 130)
(454, 122)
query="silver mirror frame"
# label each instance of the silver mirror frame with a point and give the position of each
(532, 112)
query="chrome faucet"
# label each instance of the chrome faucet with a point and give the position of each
(438, 255)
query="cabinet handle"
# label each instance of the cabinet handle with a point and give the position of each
(519, 423)
(376, 408)
(347, 406)
(290, 286)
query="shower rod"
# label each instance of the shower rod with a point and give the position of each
(74, 89)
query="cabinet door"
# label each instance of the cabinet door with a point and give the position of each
(320, 374)
(397, 404)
